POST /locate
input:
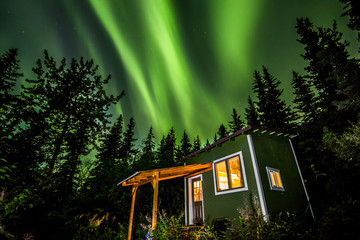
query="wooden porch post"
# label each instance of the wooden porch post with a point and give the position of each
(133, 192)
(155, 184)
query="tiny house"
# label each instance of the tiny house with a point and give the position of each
(253, 162)
(224, 177)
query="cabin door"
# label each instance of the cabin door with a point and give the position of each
(197, 198)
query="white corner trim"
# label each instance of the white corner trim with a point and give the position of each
(185, 196)
(302, 180)
(260, 189)
(186, 205)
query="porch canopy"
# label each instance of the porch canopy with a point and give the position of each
(153, 177)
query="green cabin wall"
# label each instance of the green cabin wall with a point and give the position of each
(271, 151)
(225, 205)
(276, 152)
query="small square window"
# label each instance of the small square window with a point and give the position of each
(275, 179)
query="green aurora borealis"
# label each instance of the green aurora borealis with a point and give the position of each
(181, 63)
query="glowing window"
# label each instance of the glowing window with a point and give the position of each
(275, 179)
(228, 174)
(197, 191)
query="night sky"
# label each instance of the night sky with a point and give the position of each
(181, 63)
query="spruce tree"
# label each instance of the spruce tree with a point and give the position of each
(66, 111)
(332, 72)
(352, 9)
(251, 113)
(128, 149)
(148, 142)
(236, 123)
(334, 76)
(106, 174)
(172, 190)
(222, 132)
(196, 144)
(277, 114)
(185, 145)
(260, 89)
(304, 99)
(147, 159)
(110, 147)
(167, 150)
(63, 114)
(9, 75)
(215, 137)
(273, 111)
(10, 117)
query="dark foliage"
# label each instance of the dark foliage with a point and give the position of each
(196, 144)
(61, 159)
(352, 9)
(185, 146)
(273, 111)
(236, 122)
(251, 113)
(221, 133)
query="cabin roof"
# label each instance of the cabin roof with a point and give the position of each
(250, 128)
(143, 177)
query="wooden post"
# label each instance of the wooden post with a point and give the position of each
(133, 192)
(155, 184)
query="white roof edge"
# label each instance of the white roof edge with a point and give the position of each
(137, 173)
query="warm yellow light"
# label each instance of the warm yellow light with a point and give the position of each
(221, 175)
(235, 173)
(273, 181)
(197, 191)
(279, 183)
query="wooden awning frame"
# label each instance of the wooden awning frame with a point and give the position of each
(153, 177)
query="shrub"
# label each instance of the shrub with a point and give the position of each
(172, 228)
(253, 225)
(98, 227)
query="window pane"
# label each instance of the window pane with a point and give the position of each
(235, 173)
(279, 183)
(197, 191)
(221, 175)
(273, 181)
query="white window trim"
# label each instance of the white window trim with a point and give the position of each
(242, 166)
(190, 205)
(273, 187)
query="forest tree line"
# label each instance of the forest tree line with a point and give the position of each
(61, 157)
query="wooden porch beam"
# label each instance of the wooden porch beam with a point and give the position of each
(133, 192)
(164, 174)
(138, 183)
(199, 172)
(171, 177)
(155, 184)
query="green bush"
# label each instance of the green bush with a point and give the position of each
(340, 221)
(172, 228)
(278, 227)
(168, 227)
(98, 227)
(253, 225)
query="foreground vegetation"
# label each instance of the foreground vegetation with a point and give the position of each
(61, 157)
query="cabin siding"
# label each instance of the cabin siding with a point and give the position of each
(275, 152)
(225, 205)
